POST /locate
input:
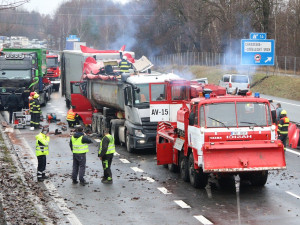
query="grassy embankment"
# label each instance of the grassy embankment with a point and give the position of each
(274, 85)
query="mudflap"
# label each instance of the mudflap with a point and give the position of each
(164, 153)
(256, 155)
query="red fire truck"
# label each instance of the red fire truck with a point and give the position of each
(222, 135)
(53, 71)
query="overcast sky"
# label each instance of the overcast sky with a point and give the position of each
(48, 6)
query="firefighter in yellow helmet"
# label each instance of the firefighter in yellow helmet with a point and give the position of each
(283, 126)
(35, 109)
(42, 150)
(106, 153)
(125, 65)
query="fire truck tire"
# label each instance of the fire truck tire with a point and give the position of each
(173, 168)
(258, 178)
(184, 168)
(128, 147)
(198, 179)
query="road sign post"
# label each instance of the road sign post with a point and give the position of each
(258, 50)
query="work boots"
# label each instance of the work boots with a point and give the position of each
(84, 182)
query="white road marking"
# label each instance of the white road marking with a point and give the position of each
(136, 169)
(164, 190)
(182, 204)
(292, 194)
(287, 103)
(149, 179)
(124, 161)
(203, 220)
(116, 154)
(292, 151)
(49, 103)
(97, 140)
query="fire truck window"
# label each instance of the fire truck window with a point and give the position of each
(158, 92)
(220, 115)
(196, 115)
(202, 118)
(192, 116)
(253, 114)
(179, 93)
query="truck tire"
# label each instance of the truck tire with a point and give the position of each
(173, 168)
(115, 133)
(128, 147)
(258, 178)
(94, 124)
(184, 168)
(197, 178)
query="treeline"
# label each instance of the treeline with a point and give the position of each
(154, 27)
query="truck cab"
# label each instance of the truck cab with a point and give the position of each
(53, 71)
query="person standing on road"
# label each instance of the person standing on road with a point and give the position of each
(283, 126)
(278, 112)
(106, 153)
(42, 150)
(12, 103)
(79, 146)
(35, 108)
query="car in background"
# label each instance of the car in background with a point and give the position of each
(201, 80)
(235, 82)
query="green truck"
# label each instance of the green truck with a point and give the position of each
(23, 71)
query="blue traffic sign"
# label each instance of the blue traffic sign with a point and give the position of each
(258, 36)
(258, 52)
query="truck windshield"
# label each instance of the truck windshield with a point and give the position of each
(141, 94)
(243, 114)
(52, 62)
(15, 74)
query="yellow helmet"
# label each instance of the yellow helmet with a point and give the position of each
(36, 95)
(283, 112)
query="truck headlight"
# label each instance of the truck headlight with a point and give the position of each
(139, 133)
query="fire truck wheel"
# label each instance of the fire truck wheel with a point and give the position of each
(173, 168)
(128, 147)
(197, 178)
(258, 178)
(184, 168)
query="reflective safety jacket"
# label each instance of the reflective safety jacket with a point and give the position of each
(111, 145)
(78, 147)
(283, 126)
(31, 101)
(42, 144)
(124, 66)
(71, 115)
(36, 107)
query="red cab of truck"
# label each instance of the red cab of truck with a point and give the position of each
(53, 71)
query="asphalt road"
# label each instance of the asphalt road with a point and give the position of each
(144, 193)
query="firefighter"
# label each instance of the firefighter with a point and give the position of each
(125, 65)
(35, 109)
(72, 118)
(283, 126)
(42, 150)
(12, 103)
(106, 154)
(79, 146)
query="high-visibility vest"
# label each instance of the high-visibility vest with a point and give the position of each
(124, 66)
(78, 146)
(42, 149)
(71, 116)
(283, 125)
(111, 146)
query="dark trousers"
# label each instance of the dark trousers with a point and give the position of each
(41, 166)
(35, 120)
(106, 163)
(79, 161)
(283, 138)
(71, 123)
(11, 110)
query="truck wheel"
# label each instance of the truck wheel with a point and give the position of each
(94, 124)
(258, 178)
(184, 168)
(173, 168)
(128, 147)
(197, 178)
(114, 133)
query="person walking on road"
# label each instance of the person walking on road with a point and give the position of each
(278, 112)
(42, 150)
(106, 153)
(79, 146)
(283, 126)
(12, 103)
(35, 108)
